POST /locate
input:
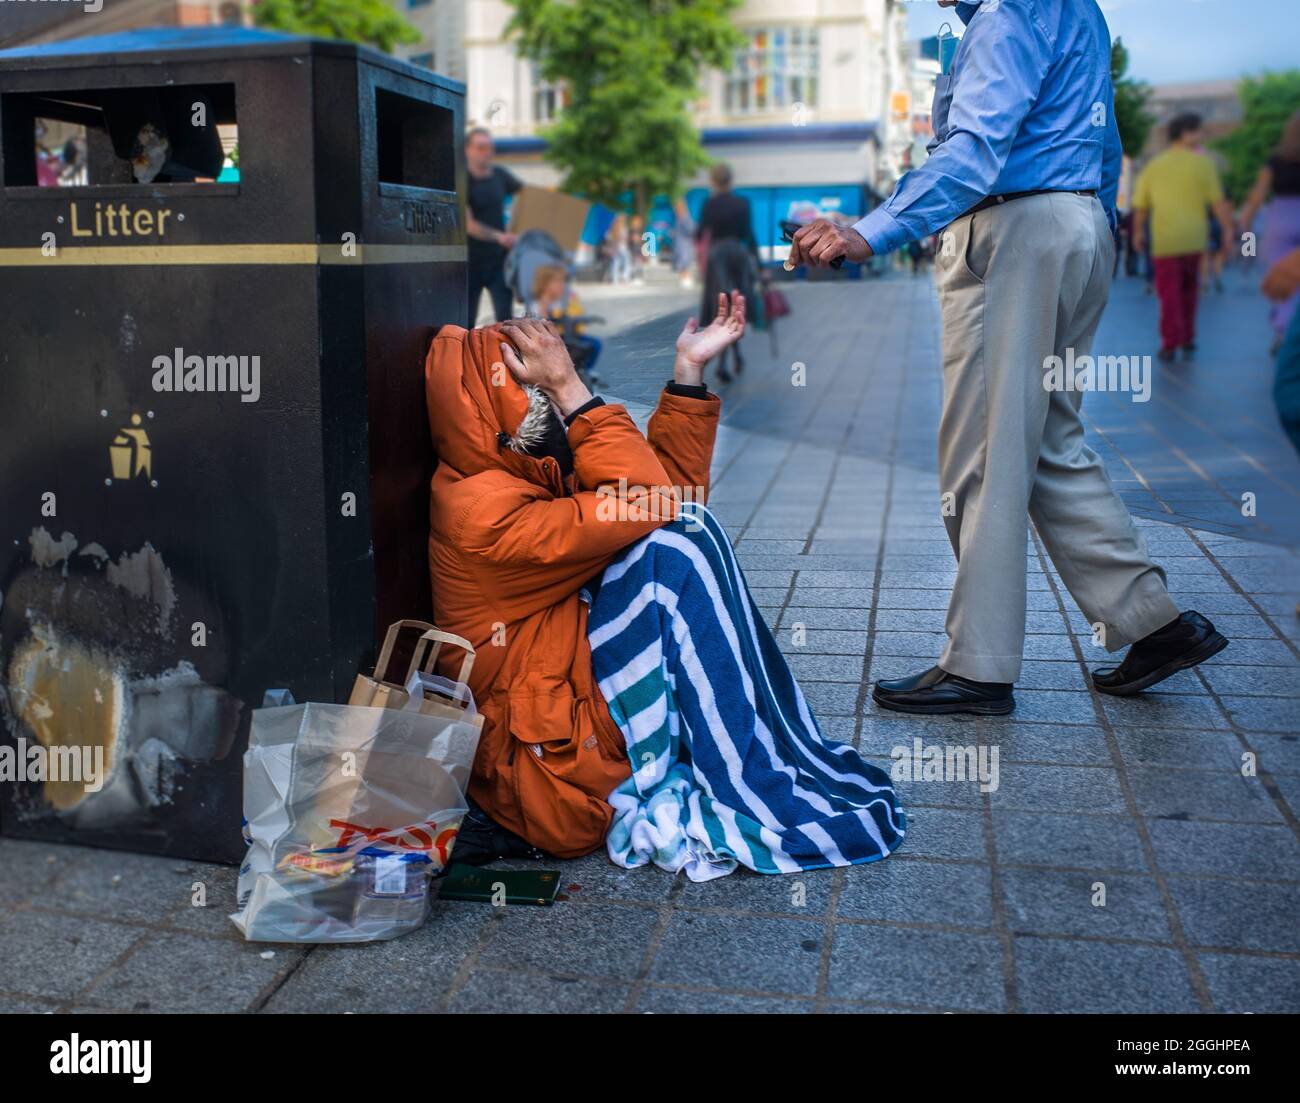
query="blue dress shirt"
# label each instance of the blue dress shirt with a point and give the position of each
(1028, 106)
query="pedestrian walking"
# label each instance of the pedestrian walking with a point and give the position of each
(1175, 196)
(1024, 173)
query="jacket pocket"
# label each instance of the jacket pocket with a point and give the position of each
(543, 713)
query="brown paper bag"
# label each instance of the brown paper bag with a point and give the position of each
(378, 691)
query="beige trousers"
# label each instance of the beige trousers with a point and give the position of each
(1018, 284)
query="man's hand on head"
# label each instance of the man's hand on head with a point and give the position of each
(534, 352)
(821, 242)
(696, 347)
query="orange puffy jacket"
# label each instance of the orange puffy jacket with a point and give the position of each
(511, 543)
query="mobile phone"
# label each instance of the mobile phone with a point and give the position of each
(500, 886)
(789, 229)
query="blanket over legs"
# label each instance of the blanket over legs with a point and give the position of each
(729, 766)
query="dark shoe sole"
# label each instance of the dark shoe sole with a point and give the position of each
(1208, 649)
(978, 708)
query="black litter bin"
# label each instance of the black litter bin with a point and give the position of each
(214, 453)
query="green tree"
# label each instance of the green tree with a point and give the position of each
(370, 22)
(630, 70)
(1131, 96)
(1267, 102)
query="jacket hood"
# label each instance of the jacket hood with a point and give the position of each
(481, 418)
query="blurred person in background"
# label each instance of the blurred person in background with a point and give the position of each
(1279, 180)
(684, 243)
(1173, 199)
(618, 250)
(728, 224)
(1281, 285)
(485, 224)
(558, 302)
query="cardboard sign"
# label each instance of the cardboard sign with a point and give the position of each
(562, 216)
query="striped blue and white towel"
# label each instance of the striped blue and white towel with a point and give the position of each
(729, 766)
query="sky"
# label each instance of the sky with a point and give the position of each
(1176, 41)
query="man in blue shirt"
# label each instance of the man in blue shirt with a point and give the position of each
(1023, 173)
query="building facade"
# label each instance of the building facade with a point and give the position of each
(823, 75)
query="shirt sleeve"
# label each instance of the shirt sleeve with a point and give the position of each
(1112, 160)
(510, 181)
(1142, 193)
(1213, 185)
(1001, 63)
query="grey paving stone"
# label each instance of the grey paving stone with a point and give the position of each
(895, 965)
(219, 892)
(1056, 975)
(30, 868)
(1052, 674)
(921, 645)
(412, 973)
(804, 894)
(907, 890)
(111, 884)
(1048, 902)
(1074, 842)
(595, 878)
(832, 698)
(501, 992)
(944, 833)
(1058, 789)
(1165, 710)
(826, 668)
(1068, 744)
(1265, 714)
(821, 641)
(188, 973)
(1241, 984)
(1255, 653)
(58, 955)
(772, 956)
(1253, 681)
(1053, 707)
(816, 617)
(26, 1005)
(1184, 794)
(1237, 915)
(825, 597)
(1228, 849)
(594, 940)
(1217, 750)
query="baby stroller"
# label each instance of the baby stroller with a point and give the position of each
(534, 250)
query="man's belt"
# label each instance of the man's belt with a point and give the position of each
(998, 200)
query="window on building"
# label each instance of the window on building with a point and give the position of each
(548, 98)
(776, 69)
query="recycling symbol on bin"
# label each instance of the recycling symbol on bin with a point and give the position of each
(130, 453)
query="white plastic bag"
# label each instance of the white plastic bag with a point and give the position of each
(348, 812)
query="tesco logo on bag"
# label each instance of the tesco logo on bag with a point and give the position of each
(403, 838)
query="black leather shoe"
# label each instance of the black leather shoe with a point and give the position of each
(1180, 644)
(937, 691)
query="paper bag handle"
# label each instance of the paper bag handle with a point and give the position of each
(390, 641)
(437, 638)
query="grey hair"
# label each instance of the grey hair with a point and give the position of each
(532, 430)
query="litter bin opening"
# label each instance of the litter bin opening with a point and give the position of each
(173, 134)
(416, 145)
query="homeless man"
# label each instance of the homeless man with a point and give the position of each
(632, 693)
